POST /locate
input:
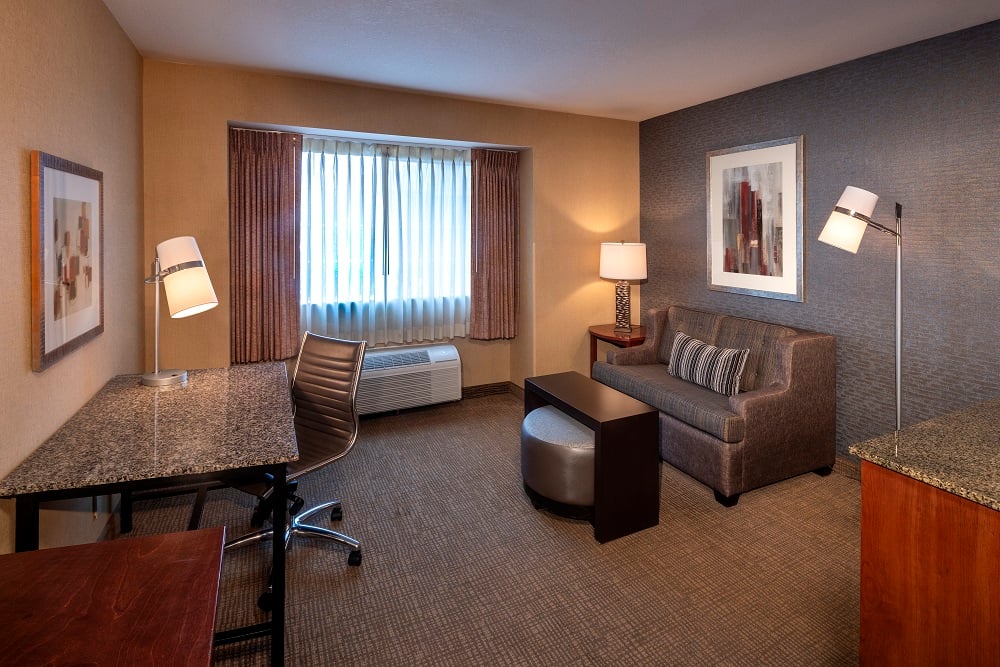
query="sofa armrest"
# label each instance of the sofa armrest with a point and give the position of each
(792, 422)
(647, 353)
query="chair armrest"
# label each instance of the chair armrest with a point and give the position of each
(794, 417)
(656, 323)
(631, 356)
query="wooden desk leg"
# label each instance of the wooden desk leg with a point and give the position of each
(626, 476)
(532, 400)
(593, 353)
(26, 523)
(125, 512)
(279, 520)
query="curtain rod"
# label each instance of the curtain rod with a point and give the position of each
(254, 129)
(383, 142)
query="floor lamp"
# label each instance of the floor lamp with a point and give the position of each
(623, 262)
(845, 228)
(179, 267)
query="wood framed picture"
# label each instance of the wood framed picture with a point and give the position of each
(67, 257)
(755, 219)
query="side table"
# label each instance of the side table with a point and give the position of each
(607, 333)
(626, 448)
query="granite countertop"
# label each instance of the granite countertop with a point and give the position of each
(221, 419)
(958, 452)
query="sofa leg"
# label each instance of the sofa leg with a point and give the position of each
(824, 471)
(727, 501)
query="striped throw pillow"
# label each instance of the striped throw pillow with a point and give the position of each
(716, 368)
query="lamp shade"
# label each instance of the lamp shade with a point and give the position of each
(849, 220)
(186, 283)
(623, 261)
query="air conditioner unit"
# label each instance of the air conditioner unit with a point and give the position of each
(406, 377)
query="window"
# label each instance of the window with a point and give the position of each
(385, 241)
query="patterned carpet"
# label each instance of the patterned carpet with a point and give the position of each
(460, 570)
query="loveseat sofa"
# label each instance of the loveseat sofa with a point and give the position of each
(781, 420)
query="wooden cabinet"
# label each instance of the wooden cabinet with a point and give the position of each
(930, 574)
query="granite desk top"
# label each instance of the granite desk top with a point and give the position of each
(221, 419)
(958, 452)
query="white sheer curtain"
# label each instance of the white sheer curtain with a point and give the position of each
(385, 241)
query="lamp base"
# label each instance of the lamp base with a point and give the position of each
(165, 378)
(623, 307)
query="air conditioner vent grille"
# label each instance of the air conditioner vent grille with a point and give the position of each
(395, 360)
(408, 377)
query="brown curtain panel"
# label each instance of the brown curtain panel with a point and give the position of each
(264, 177)
(495, 215)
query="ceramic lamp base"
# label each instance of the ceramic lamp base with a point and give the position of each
(623, 307)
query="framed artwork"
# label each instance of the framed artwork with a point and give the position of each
(67, 257)
(755, 219)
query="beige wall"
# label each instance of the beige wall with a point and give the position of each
(580, 187)
(74, 86)
(70, 85)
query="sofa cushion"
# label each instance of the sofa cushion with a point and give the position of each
(761, 339)
(696, 406)
(715, 368)
(695, 323)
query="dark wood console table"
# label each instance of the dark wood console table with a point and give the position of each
(143, 601)
(626, 448)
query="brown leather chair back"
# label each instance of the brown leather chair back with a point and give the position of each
(324, 387)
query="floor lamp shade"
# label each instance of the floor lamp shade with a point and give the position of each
(179, 266)
(623, 262)
(849, 219)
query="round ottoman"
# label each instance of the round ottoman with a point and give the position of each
(557, 461)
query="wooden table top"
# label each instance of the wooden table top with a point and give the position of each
(606, 332)
(133, 601)
(588, 401)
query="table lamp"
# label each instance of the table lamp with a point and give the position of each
(844, 229)
(179, 267)
(623, 262)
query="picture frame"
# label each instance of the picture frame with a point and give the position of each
(754, 197)
(67, 257)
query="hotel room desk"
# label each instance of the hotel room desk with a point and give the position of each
(113, 603)
(225, 424)
(930, 541)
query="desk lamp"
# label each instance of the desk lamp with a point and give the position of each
(179, 266)
(845, 228)
(623, 262)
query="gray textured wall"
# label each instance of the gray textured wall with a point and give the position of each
(919, 125)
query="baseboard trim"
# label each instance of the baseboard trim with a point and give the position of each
(848, 467)
(493, 389)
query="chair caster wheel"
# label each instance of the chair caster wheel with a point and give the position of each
(336, 514)
(354, 558)
(266, 601)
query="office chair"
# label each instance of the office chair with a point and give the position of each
(324, 386)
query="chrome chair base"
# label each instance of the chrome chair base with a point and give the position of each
(297, 526)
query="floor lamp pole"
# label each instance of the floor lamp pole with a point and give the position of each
(899, 314)
(156, 317)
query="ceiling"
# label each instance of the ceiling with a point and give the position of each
(627, 59)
